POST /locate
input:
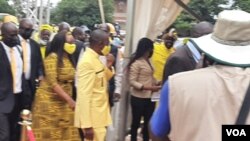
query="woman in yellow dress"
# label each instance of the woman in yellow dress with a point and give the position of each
(53, 108)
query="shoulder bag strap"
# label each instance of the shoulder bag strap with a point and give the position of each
(244, 111)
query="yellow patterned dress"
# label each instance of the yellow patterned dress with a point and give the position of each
(52, 118)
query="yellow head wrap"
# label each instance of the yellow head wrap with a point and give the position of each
(46, 27)
(10, 18)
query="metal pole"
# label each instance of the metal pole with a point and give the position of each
(48, 12)
(190, 11)
(35, 17)
(41, 13)
(124, 103)
(101, 11)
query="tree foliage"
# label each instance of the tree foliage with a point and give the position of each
(79, 12)
(242, 4)
(206, 9)
(6, 8)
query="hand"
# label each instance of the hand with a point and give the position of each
(116, 97)
(200, 63)
(159, 83)
(40, 78)
(88, 133)
(72, 104)
(110, 60)
(155, 88)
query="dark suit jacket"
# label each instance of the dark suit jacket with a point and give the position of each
(75, 56)
(181, 60)
(6, 86)
(79, 47)
(37, 68)
(114, 52)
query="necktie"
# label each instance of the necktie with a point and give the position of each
(13, 67)
(25, 57)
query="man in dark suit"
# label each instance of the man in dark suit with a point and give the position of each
(80, 36)
(186, 57)
(63, 26)
(14, 93)
(33, 65)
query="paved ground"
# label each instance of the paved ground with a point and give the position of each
(128, 138)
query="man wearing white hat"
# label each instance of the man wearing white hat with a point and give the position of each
(197, 103)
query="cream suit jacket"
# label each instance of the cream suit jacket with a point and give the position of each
(92, 106)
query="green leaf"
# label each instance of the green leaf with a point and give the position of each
(79, 12)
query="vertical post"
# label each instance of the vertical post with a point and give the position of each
(130, 28)
(124, 102)
(41, 13)
(101, 10)
(48, 12)
(23, 133)
(35, 16)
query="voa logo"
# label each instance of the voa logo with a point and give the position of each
(236, 132)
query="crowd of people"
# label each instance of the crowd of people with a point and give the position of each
(71, 78)
(39, 72)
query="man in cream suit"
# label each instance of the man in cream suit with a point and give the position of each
(92, 112)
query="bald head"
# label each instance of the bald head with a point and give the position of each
(26, 28)
(98, 39)
(63, 26)
(202, 28)
(104, 27)
(7, 28)
(79, 34)
(9, 34)
(98, 36)
(25, 22)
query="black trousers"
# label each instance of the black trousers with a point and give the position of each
(4, 128)
(10, 130)
(141, 107)
(14, 117)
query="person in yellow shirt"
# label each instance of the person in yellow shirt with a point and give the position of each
(92, 112)
(53, 107)
(161, 53)
(45, 34)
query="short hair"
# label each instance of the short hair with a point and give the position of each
(6, 26)
(77, 30)
(97, 36)
(25, 20)
(201, 28)
(63, 26)
(169, 37)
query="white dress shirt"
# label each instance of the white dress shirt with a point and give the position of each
(27, 73)
(118, 71)
(19, 63)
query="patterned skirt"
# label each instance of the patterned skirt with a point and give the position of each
(52, 119)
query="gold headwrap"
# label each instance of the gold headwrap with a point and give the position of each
(10, 18)
(46, 27)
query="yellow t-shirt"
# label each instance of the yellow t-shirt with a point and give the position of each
(159, 58)
(43, 50)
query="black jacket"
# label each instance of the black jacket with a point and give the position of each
(181, 60)
(7, 100)
(37, 68)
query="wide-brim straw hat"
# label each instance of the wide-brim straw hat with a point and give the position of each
(230, 41)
